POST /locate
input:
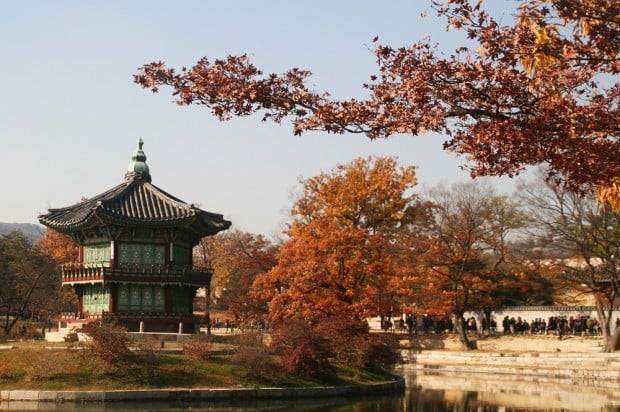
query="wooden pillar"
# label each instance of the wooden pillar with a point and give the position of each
(112, 303)
(79, 291)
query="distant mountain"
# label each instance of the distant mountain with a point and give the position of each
(30, 230)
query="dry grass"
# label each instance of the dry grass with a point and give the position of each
(31, 366)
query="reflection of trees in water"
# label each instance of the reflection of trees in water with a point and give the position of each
(492, 392)
(425, 400)
(422, 400)
(467, 398)
(417, 399)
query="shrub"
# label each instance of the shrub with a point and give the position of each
(71, 337)
(306, 348)
(304, 351)
(354, 345)
(146, 355)
(197, 347)
(108, 341)
(380, 351)
(345, 337)
(254, 356)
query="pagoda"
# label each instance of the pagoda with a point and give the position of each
(135, 253)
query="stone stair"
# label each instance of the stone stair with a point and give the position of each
(590, 368)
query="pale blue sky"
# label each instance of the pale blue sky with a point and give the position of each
(70, 114)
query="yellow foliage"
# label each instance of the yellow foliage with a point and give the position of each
(543, 34)
(610, 194)
(585, 26)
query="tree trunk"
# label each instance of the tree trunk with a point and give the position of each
(486, 312)
(5, 327)
(613, 344)
(9, 324)
(208, 309)
(604, 320)
(461, 331)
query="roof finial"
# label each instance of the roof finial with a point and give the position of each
(138, 169)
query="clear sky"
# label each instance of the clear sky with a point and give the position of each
(70, 114)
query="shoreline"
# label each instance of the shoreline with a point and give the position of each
(201, 394)
(532, 357)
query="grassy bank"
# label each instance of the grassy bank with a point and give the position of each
(39, 368)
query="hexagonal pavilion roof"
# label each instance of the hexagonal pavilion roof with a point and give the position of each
(135, 202)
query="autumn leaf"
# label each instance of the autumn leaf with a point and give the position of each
(541, 90)
(58, 246)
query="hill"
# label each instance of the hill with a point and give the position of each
(30, 230)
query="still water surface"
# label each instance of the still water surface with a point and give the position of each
(425, 392)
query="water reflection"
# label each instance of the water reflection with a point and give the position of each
(374, 404)
(502, 392)
(426, 391)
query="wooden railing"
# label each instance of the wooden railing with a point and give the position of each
(146, 316)
(137, 273)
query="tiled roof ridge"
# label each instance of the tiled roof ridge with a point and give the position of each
(145, 201)
(137, 199)
(79, 211)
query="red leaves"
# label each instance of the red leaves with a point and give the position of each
(231, 87)
(534, 92)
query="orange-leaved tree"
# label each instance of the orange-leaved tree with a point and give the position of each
(236, 258)
(58, 246)
(364, 202)
(338, 268)
(64, 251)
(540, 89)
(327, 270)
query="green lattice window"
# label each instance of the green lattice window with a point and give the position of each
(141, 298)
(180, 300)
(96, 299)
(141, 254)
(97, 255)
(182, 256)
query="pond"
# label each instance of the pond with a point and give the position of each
(426, 391)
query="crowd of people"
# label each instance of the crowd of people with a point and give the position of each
(425, 324)
(228, 324)
(560, 325)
